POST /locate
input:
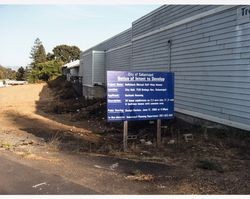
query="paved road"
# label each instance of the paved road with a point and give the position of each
(19, 179)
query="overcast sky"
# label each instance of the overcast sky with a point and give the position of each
(82, 25)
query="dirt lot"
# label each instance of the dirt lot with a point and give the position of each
(39, 128)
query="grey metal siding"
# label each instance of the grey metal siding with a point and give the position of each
(119, 59)
(86, 68)
(211, 61)
(166, 15)
(113, 42)
(74, 71)
(115, 59)
(81, 66)
(210, 57)
(99, 67)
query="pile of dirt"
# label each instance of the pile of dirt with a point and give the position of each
(67, 100)
(62, 88)
(94, 109)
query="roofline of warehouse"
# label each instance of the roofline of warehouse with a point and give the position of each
(141, 18)
(186, 20)
(150, 13)
(85, 51)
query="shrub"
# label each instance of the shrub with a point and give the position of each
(209, 165)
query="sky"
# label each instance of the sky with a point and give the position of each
(80, 25)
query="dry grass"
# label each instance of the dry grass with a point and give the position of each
(37, 157)
(53, 143)
(23, 154)
(137, 175)
(6, 145)
(141, 177)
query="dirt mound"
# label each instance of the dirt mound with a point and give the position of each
(62, 88)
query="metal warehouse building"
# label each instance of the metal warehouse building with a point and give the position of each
(207, 46)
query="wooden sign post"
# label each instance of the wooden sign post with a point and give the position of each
(158, 133)
(125, 135)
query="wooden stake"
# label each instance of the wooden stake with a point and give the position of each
(125, 135)
(158, 133)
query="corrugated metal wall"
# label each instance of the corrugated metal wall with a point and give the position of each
(211, 61)
(118, 55)
(99, 68)
(86, 69)
(210, 55)
(113, 42)
(119, 59)
(92, 67)
(166, 15)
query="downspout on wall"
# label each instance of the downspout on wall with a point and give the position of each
(169, 54)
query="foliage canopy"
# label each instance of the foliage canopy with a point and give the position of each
(21, 74)
(7, 73)
(66, 53)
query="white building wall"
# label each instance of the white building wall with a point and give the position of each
(74, 71)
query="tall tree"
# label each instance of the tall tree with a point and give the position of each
(66, 53)
(41, 54)
(38, 54)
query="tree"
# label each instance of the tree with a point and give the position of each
(34, 49)
(20, 75)
(47, 70)
(1, 72)
(41, 55)
(38, 54)
(66, 53)
(45, 67)
(7, 73)
(50, 56)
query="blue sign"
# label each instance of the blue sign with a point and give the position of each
(140, 95)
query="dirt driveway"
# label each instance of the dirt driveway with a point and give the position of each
(35, 139)
(19, 108)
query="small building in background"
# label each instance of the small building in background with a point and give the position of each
(71, 69)
(14, 82)
(71, 72)
(64, 70)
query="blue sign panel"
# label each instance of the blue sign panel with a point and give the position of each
(140, 95)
